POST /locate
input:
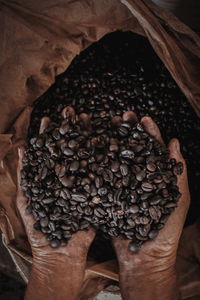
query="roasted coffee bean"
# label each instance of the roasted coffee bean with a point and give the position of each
(102, 191)
(178, 168)
(78, 197)
(123, 131)
(124, 169)
(113, 148)
(44, 173)
(44, 222)
(29, 209)
(48, 200)
(65, 194)
(147, 187)
(98, 182)
(67, 181)
(52, 226)
(67, 151)
(144, 220)
(140, 176)
(152, 234)
(151, 167)
(74, 166)
(67, 234)
(64, 128)
(54, 243)
(133, 247)
(133, 197)
(155, 213)
(144, 205)
(171, 205)
(128, 154)
(155, 200)
(115, 166)
(107, 175)
(134, 209)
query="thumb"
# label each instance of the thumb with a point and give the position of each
(174, 148)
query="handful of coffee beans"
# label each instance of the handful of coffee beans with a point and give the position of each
(112, 176)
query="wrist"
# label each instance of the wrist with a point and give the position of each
(148, 263)
(149, 283)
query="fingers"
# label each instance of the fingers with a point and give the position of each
(44, 124)
(151, 127)
(69, 112)
(174, 148)
(130, 117)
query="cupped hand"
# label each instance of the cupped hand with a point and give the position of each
(77, 247)
(160, 253)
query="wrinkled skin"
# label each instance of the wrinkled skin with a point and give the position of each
(56, 273)
(149, 274)
(156, 259)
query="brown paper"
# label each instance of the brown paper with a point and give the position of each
(39, 39)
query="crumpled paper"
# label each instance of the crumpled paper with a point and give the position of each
(39, 39)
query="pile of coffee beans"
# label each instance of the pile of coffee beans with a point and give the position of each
(109, 174)
(121, 72)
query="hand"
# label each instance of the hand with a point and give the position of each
(156, 258)
(62, 267)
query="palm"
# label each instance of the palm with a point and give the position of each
(166, 243)
(39, 245)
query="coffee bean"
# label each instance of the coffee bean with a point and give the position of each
(151, 167)
(54, 243)
(128, 154)
(133, 247)
(133, 209)
(98, 182)
(67, 151)
(178, 168)
(147, 187)
(115, 166)
(67, 234)
(171, 205)
(102, 191)
(152, 234)
(51, 226)
(67, 181)
(44, 173)
(44, 222)
(140, 176)
(144, 205)
(113, 148)
(74, 166)
(124, 169)
(78, 197)
(48, 200)
(29, 209)
(155, 200)
(65, 194)
(155, 213)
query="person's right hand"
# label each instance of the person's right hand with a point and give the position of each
(56, 273)
(156, 259)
